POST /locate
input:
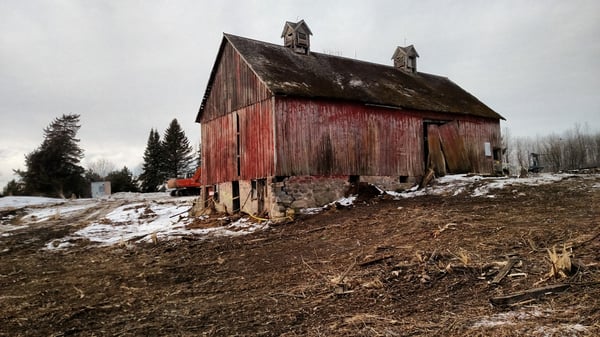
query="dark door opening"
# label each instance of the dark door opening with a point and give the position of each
(235, 191)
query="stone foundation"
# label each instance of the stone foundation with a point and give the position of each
(273, 197)
(299, 192)
(386, 183)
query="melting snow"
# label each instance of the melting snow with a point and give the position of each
(356, 83)
(518, 317)
(20, 202)
(162, 218)
(348, 201)
(144, 216)
(459, 183)
(44, 214)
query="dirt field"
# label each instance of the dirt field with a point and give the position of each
(422, 266)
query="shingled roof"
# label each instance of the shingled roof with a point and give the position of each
(323, 76)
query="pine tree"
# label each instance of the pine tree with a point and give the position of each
(178, 152)
(153, 167)
(13, 187)
(53, 169)
(122, 181)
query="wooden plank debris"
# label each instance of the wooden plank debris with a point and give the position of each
(534, 293)
(504, 271)
(375, 260)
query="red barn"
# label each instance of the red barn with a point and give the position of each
(284, 127)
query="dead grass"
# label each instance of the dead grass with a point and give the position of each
(371, 270)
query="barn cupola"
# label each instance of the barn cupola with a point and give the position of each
(405, 58)
(297, 36)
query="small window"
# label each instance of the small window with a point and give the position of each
(403, 179)
(488, 149)
(302, 36)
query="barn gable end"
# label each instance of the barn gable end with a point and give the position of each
(235, 118)
(232, 85)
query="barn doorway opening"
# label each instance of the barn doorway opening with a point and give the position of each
(445, 148)
(433, 156)
(235, 191)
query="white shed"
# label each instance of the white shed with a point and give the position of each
(100, 189)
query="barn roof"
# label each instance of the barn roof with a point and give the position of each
(317, 75)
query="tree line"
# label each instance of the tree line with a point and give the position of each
(54, 168)
(575, 149)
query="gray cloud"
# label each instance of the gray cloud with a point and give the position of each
(128, 66)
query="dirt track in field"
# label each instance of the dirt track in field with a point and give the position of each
(414, 267)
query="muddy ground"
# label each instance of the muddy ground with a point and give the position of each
(414, 267)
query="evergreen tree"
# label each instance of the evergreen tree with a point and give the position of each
(153, 168)
(122, 181)
(178, 152)
(13, 187)
(53, 169)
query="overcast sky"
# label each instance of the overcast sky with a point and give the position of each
(127, 66)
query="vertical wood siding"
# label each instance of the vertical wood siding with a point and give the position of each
(220, 145)
(234, 86)
(218, 150)
(330, 138)
(436, 159)
(256, 140)
(456, 152)
(475, 133)
(238, 102)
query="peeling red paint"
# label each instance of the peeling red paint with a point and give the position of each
(332, 137)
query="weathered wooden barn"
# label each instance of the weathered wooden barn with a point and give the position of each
(284, 127)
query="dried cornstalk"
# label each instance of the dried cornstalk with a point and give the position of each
(560, 263)
(439, 231)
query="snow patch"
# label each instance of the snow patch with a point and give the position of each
(7, 203)
(347, 201)
(517, 317)
(4, 229)
(356, 83)
(149, 220)
(45, 214)
(457, 184)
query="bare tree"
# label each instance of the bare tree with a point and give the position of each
(522, 153)
(102, 167)
(552, 148)
(595, 153)
(574, 154)
(506, 149)
(574, 149)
